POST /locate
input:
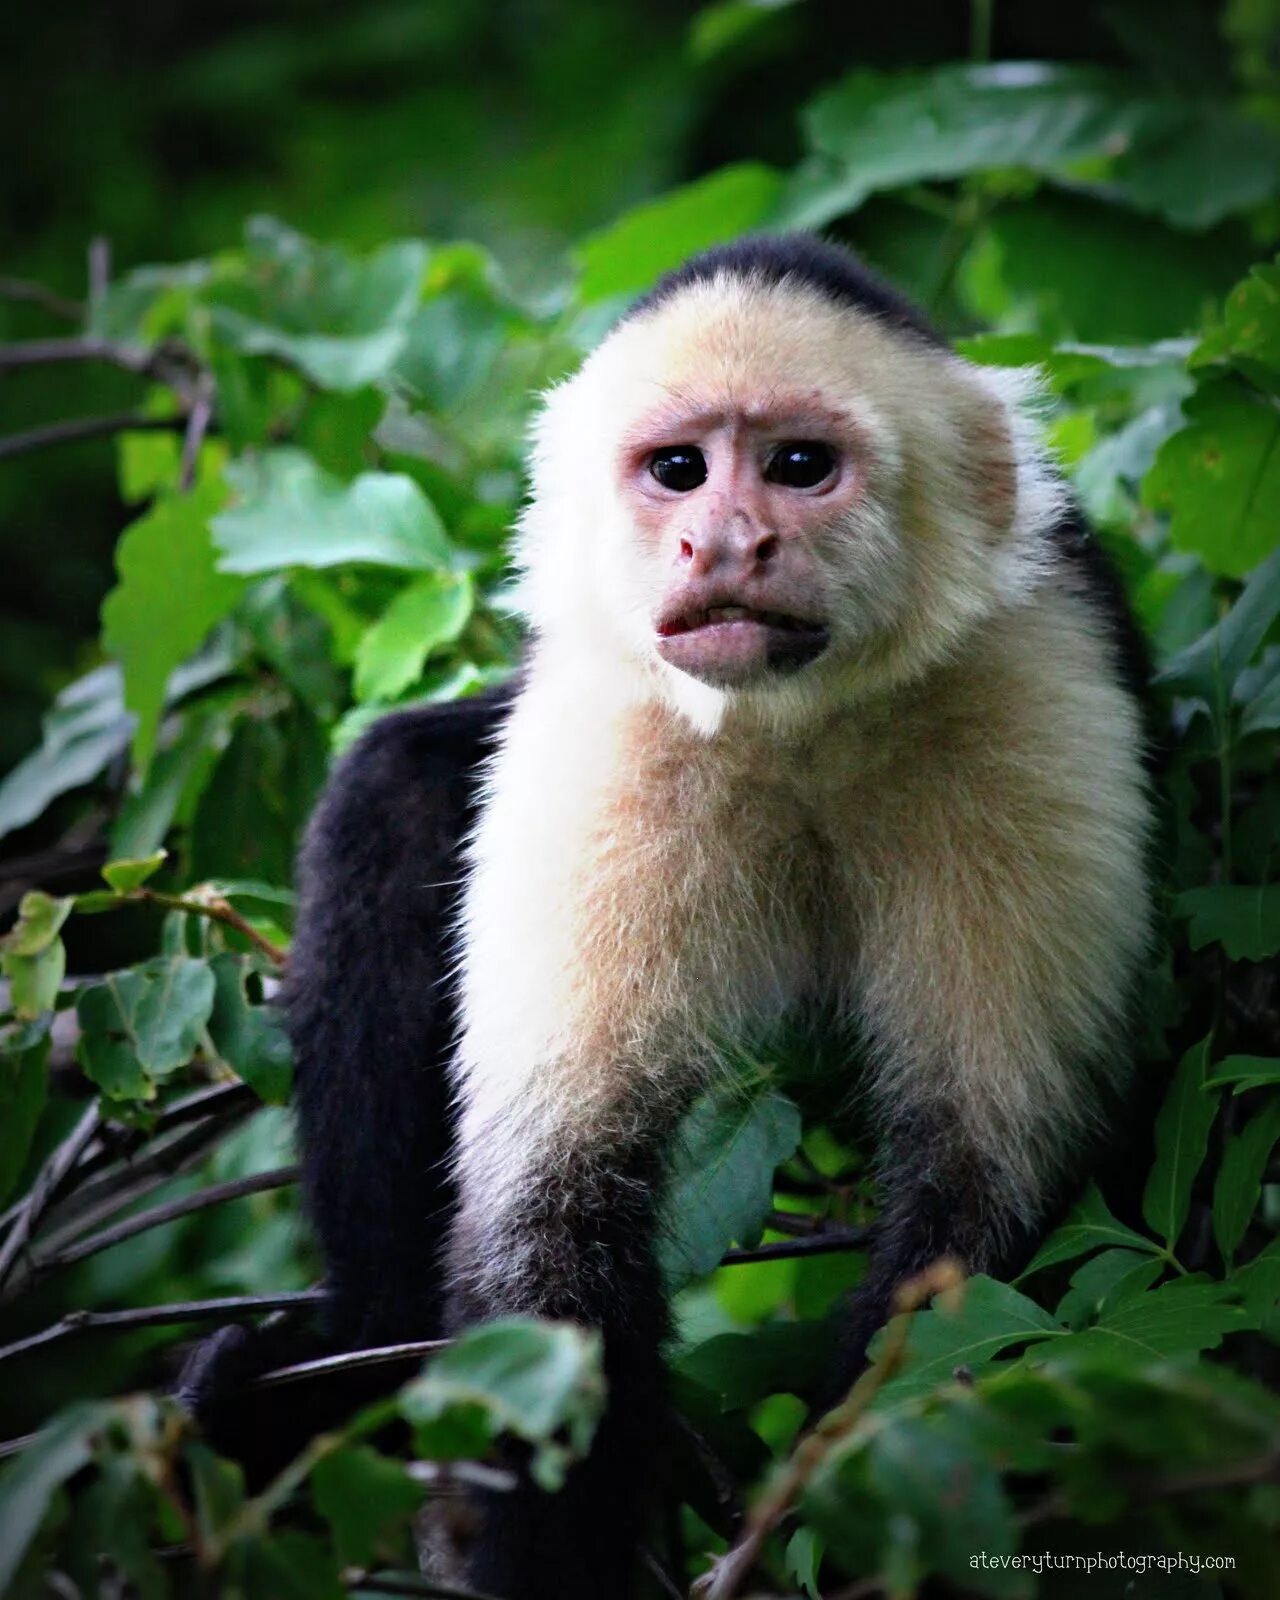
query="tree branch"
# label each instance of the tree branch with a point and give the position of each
(217, 910)
(825, 1242)
(55, 1169)
(37, 294)
(232, 1305)
(40, 1265)
(81, 428)
(349, 1361)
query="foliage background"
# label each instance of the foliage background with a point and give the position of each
(303, 523)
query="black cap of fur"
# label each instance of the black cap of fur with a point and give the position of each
(800, 258)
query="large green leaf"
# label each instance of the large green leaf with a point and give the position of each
(1238, 1190)
(1157, 150)
(1178, 1318)
(87, 728)
(1210, 666)
(430, 613)
(1246, 1072)
(1243, 918)
(777, 1358)
(987, 1317)
(28, 1484)
(541, 1381)
(633, 252)
(1089, 1226)
(248, 1037)
(1219, 478)
(144, 1023)
(721, 1180)
(287, 512)
(1182, 1136)
(168, 596)
(367, 1500)
(1250, 326)
(340, 321)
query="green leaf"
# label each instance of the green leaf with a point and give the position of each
(27, 1485)
(721, 1183)
(339, 321)
(40, 917)
(1238, 1189)
(1261, 713)
(1182, 1136)
(777, 1358)
(1178, 1318)
(1250, 326)
(367, 1500)
(1259, 1283)
(283, 1564)
(168, 597)
(541, 1381)
(150, 463)
(1209, 667)
(803, 1557)
(32, 956)
(985, 1318)
(1107, 1280)
(1245, 1072)
(1243, 918)
(427, 615)
(654, 237)
(876, 131)
(287, 512)
(1089, 1226)
(126, 875)
(1219, 478)
(86, 729)
(248, 1037)
(24, 1091)
(144, 1023)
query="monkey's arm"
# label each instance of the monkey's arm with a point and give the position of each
(369, 1007)
(999, 951)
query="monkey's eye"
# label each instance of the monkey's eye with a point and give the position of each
(800, 464)
(679, 466)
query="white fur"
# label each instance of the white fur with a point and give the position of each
(939, 824)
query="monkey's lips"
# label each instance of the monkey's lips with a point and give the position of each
(730, 645)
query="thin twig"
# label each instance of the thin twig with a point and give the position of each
(99, 268)
(232, 1305)
(733, 1568)
(37, 294)
(409, 1583)
(48, 1179)
(349, 1360)
(164, 1159)
(216, 909)
(81, 347)
(40, 1265)
(82, 428)
(440, 1476)
(197, 426)
(824, 1243)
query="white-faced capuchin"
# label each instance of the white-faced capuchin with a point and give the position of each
(829, 711)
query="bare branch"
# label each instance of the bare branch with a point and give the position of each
(217, 910)
(80, 429)
(37, 294)
(48, 1179)
(828, 1241)
(350, 1361)
(82, 347)
(197, 426)
(232, 1305)
(99, 267)
(39, 1265)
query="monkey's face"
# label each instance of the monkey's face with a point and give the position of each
(759, 495)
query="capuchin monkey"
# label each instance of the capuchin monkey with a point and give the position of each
(829, 711)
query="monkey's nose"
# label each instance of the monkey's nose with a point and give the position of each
(740, 548)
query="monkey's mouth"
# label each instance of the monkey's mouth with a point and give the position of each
(730, 644)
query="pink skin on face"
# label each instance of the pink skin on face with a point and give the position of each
(734, 532)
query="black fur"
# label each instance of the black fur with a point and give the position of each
(800, 258)
(372, 1015)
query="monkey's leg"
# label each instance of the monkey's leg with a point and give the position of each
(578, 1245)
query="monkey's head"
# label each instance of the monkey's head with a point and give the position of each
(773, 485)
